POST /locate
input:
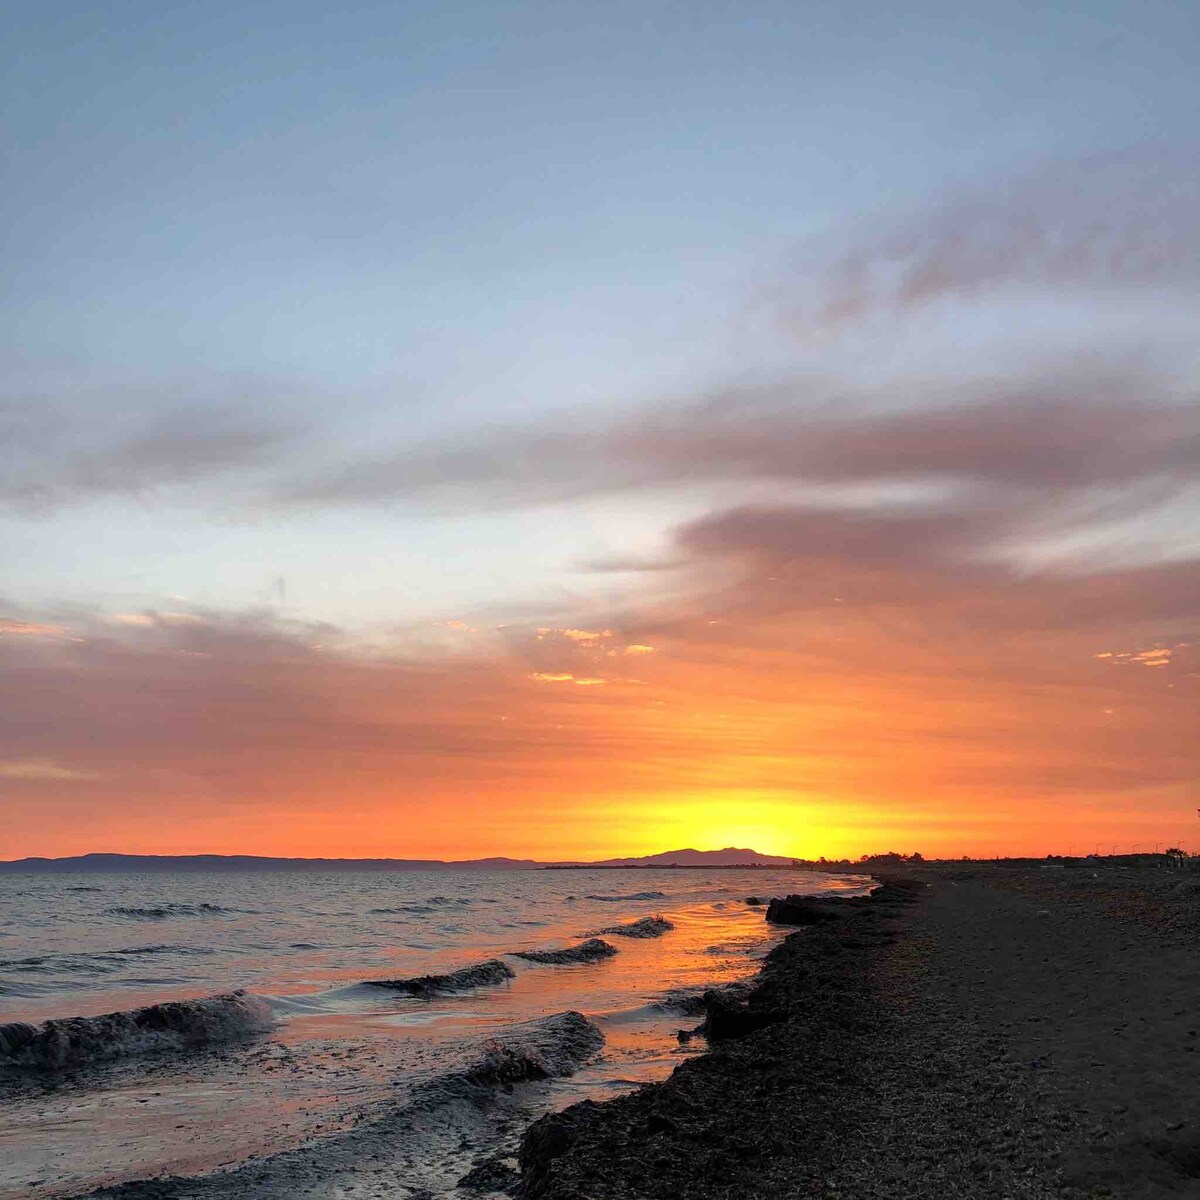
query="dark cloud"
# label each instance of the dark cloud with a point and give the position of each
(940, 564)
(798, 534)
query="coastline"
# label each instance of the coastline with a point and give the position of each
(966, 1032)
(359, 1087)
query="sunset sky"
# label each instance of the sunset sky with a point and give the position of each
(575, 430)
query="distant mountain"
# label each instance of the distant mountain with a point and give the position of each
(729, 857)
(253, 862)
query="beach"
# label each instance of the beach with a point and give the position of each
(966, 1030)
(970, 1031)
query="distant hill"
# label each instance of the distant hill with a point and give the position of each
(729, 857)
(253, 862)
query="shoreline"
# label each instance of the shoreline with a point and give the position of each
(676, 1137)
(1023, 1034)
(316, 1151)
(963, 1033)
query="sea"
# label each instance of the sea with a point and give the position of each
(270, 1059)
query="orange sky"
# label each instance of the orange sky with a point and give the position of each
(769, 713)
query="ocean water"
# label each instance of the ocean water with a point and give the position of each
(317, 1081)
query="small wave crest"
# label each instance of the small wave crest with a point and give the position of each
(163, 912)
(593, 950)
(688, 1001)
(85, 963)
(544, 1049)
(484, 974)
(430, 904)
(174, 1025)
(630, 896)
(647, 927)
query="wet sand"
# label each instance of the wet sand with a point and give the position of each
(975, 1032)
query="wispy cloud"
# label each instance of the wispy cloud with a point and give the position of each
(14, 627)
(1105, 223)
(57, 453)
(43, 770)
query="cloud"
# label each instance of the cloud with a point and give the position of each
(42, 770)
(566, 677)
(14, 627)
(1070, 424)
(1104, 223)
(57, 453)
(1100, 404)
(879, 666)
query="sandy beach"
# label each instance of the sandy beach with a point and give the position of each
(972, 1031)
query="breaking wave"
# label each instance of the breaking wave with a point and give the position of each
(162, 912)
(484, 974)
(647, 927)
(592, 950)
(175, 1025)
(630, 896)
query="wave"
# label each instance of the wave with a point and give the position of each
(428, 905)
(440, 1123)
(592, 950)
(484, 974)
(174, 1025)
(84, 963)
(688, 1001)
(691, 1001)
(162, 912)
(647, 927)
(630, 896)
(543, 1049)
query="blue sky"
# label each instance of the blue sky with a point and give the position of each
(396, 222)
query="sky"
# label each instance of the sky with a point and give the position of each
(562, 431)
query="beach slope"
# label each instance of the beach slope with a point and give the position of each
(967, 1032)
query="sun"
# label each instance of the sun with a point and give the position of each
(766, 822)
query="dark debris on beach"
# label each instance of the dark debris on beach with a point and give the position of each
(847, 1082)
